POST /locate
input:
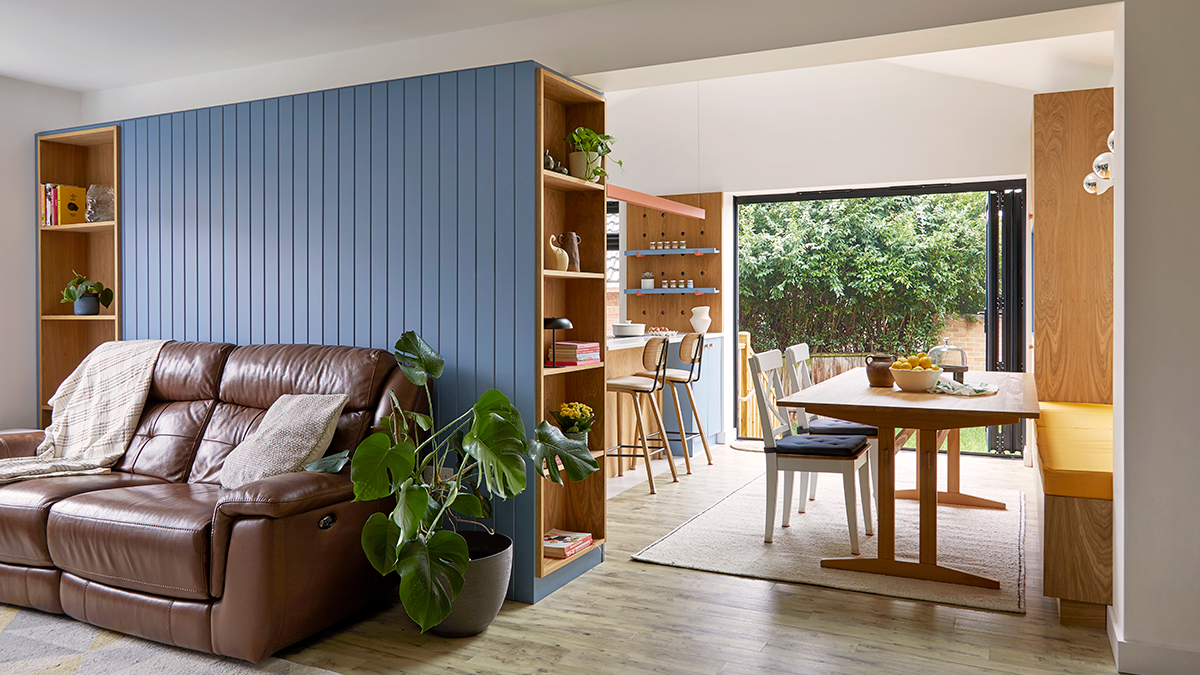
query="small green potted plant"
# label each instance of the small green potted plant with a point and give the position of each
(86, 295)
(441, 478)
(590, 149)
(575, 419)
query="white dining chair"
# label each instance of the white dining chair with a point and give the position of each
(808, 454)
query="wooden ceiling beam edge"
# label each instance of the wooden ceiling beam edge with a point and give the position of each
(651, 202)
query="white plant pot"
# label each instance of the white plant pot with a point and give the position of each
(578, 164)
(700, 319)
(647, 283)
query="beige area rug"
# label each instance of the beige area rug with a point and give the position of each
(728, 539)
(748, 445)
(35, 643)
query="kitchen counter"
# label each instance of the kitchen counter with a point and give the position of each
(615, 343)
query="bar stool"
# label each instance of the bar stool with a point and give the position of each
(654, 360)
(691, 354)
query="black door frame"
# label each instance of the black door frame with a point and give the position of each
(1005, 261)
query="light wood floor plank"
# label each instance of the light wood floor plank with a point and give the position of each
(627, 617)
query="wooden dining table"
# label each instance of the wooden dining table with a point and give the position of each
(849, 397)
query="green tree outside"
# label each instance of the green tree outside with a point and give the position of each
(852, 276)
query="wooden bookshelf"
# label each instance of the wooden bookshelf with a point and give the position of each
(83, 158)
(567, 204)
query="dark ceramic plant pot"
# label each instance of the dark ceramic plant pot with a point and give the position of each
(87, 305)
(485, 587)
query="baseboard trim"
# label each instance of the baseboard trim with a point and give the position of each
(1139, 658)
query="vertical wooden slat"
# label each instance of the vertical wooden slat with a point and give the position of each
(316, 214)
(329, 226)
(178, 226)
(448, 244)
(429, 210)
(345, 220)
(468, 247)
(412, 203)
(216, 252)
(506, 301)
(229, 258)
(395, 206)
(270, 220)
(377, 241)
(286, 284)
(361, 258)
(300, 201)
(153, 230)
(203, 261)
(188, 308)
(485, 205)
(250, 223)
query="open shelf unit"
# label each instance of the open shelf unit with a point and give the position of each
(701, 262)
(83, 158)
(568, 204)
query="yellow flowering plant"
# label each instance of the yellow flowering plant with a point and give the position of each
(574, 417)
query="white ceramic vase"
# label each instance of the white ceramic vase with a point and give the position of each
(578, 164)
(700, 319)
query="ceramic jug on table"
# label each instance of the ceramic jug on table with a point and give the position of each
(879, 370)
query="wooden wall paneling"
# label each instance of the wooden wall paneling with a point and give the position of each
(1073, 254)
(286, 221)
(362, 261)
(272, 253)
(447, 243)
(1078, 551)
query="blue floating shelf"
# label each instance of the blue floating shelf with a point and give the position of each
(671, 251)
(670, 291)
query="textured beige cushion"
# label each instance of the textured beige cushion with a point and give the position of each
(296, 430)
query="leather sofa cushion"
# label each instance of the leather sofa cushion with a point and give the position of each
(166, 439)
(189, 371)
(256, 375)
(173, 622)
(25, 507)
(152, 539)
(35, 587)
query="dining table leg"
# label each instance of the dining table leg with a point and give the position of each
(886, 563)
(953, 495)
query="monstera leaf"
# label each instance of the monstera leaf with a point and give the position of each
(431, 576)
(496, 440)
(375, 458)
(548, 446)
(417, 359)
(380, 539)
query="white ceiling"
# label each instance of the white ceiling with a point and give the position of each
(1054, 64)
(88, 45)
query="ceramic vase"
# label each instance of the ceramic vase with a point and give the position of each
(579, 163)
(556, 258)
(700, 319)
(570, 242)
(577, 436)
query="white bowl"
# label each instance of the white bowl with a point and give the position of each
(915, 380)
(628, 329)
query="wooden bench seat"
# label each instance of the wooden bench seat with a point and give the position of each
(1074, 442)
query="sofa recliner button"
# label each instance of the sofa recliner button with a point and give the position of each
(327, 521)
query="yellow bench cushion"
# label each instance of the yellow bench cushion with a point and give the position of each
(1075, 450)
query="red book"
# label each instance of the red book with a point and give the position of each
(563, 544)
(560, 362)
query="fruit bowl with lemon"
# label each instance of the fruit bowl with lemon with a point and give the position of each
(915, 373)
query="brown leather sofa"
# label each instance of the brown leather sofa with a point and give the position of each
(158, 549)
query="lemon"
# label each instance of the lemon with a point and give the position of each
(914, 361)
(936, 367)
(925, 362)
(918, 368)
(922, 355)
(903, 365)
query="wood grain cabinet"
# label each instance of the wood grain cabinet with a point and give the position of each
(80, 158)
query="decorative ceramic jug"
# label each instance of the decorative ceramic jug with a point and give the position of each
(570, 242)
(700, 319)
(557, 258)
(879, 370)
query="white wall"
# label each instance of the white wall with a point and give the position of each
(832, 126)
(25, 109)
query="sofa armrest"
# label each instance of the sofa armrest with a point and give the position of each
(20, 443)
(286, 494)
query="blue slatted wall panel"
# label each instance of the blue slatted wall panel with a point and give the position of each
(347, 217)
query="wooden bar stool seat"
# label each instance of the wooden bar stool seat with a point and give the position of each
(654, 359)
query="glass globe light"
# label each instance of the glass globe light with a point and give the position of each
(1091, 184)
(1102, 165)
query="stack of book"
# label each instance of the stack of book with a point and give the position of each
(569, 353)
(563, 544)
(62, 204)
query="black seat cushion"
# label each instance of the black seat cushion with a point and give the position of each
(825, 426)
(821, 446)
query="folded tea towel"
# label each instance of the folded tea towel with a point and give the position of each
(96, 411)
(945, 386)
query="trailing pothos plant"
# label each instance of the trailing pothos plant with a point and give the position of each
(583, 139)
(442, 477)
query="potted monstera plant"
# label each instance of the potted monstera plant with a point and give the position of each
(444, 477)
